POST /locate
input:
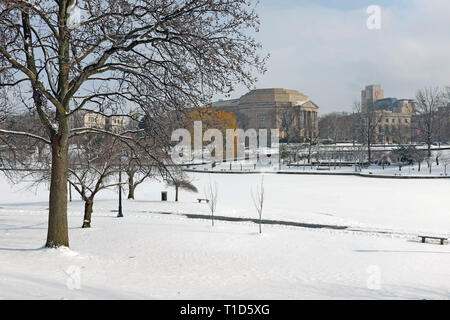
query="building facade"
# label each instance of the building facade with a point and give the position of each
(115, 124)
(93, 120)
(88, 119)
(370, 95)
(393, 116)
(290, 111)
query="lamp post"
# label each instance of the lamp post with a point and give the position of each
(120, 214)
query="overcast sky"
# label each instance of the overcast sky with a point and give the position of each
(324, 49)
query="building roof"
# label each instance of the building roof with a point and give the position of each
(267, 96)
(386, 104)
(226, 103)
(273, 95)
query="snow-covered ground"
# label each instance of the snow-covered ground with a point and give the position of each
(149, 254)
(331, 166)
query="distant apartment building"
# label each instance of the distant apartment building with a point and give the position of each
(93, 120)
(113, 123)
(393, 116)
(290, 111)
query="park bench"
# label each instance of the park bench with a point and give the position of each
(442, 239)
(323, 169)
(200, 200)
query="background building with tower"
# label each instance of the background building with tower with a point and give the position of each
(393, 116)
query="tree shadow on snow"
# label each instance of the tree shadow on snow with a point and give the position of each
(24, 250)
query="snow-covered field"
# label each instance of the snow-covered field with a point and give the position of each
(149, 254)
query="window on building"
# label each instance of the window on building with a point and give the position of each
(262, 123)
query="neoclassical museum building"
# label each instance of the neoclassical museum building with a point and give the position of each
(290, 111)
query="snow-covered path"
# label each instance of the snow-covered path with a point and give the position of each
(162, 257)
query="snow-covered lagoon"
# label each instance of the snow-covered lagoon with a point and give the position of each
(148, 255)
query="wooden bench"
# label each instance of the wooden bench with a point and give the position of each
(442, 239)
(200, 200)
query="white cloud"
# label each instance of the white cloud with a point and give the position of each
(330, 55)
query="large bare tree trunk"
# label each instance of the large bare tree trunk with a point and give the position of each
(131, 185)
(58, 231)
(88, 204)
(176, 193)
(131, 191)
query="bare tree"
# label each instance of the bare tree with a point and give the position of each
(5, 108)
(289, 119)
(444, 115)
(384, 159)
(367, 122)
(258, 201)
(428, 102)
(137, 174)
(335, 126)
(397, 156)
(139, 167)
(93, 164)
(400, 133)
(437, 156)
(211, 193)
(312, 141)
(445, 161)
(180, 180)
(357, 154)
(429, 161)
(20, 151)
(158, 56)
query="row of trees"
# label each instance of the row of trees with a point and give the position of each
(433, 118)
(410, 155)
(94, 163)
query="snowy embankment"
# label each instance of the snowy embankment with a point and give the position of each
(330, 166)
(161, 256)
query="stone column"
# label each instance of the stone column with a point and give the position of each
(309, 123)
(315, 124)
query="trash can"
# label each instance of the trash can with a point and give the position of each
(163, 195)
